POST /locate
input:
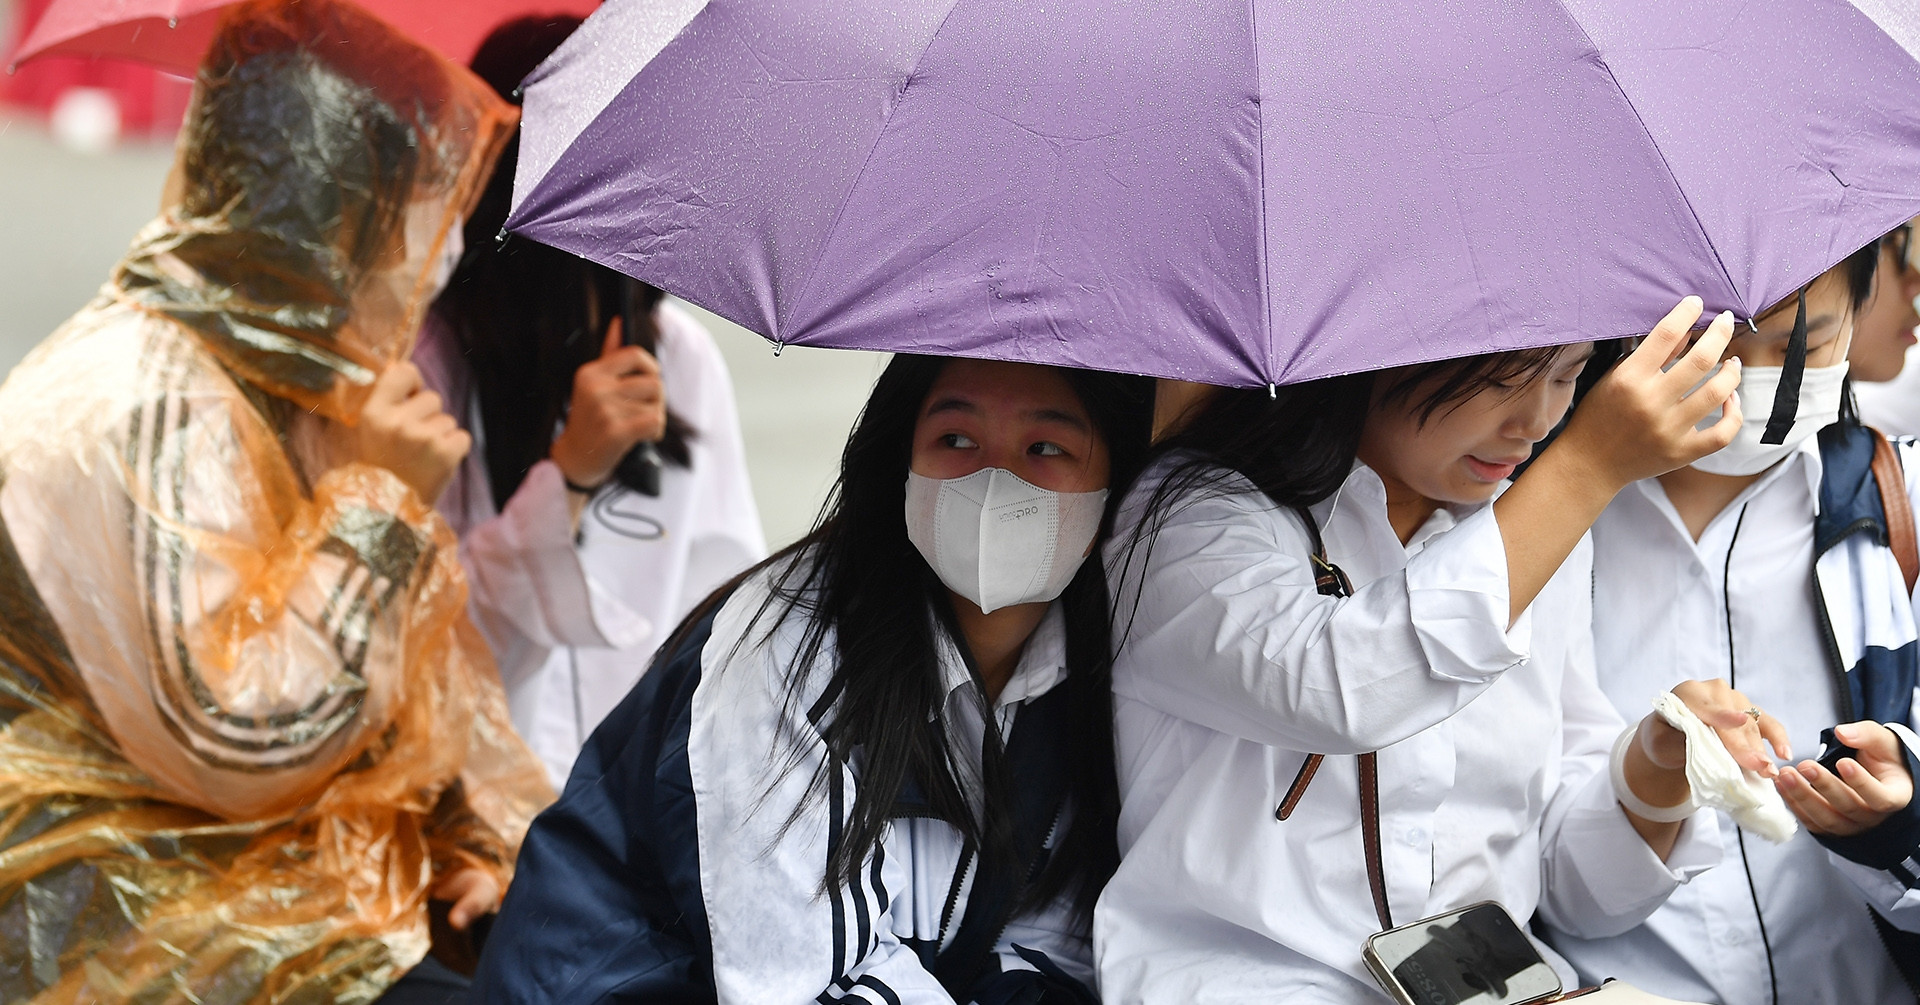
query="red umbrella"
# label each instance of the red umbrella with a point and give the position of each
(173, 34)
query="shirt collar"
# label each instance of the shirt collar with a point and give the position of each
(1364, 496)
(1804, 458)
(1042, 666)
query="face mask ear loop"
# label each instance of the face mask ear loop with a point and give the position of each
(1786, 398)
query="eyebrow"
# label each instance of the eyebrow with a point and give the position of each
(953, 405)
(1052, 415)
(1063, 418)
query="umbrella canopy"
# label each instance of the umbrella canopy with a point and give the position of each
(1249, 193)
(174, 34)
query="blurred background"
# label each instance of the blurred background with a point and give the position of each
(85, 146)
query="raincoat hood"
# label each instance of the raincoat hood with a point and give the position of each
(324, 162)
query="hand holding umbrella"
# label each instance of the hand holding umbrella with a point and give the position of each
(1638, 422)
(618, 401)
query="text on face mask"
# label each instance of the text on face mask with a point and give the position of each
(1031, 509)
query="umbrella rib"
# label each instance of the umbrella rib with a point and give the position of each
(1665, 165)
(846, 197)
(1260, 196)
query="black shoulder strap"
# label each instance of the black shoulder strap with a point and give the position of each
(1037, 754)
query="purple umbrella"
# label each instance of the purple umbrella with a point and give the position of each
(1239, 193)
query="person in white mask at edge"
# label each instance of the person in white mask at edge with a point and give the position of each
(1885, 383)
(577, 572)
(1461, 655)
(1768, 563)
(878, 767)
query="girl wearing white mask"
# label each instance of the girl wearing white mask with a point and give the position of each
(878, 767)
(1328, 573)
(1768, 563)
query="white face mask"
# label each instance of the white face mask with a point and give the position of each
(1819, 408)
(999, 540)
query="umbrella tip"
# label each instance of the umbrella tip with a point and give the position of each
(1272, 392)
(500, 239)
(519, 93)
(778, 347)
(1751, 326)
(173, 22)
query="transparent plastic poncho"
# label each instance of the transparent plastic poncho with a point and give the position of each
(244, 723)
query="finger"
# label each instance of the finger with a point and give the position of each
(1706, 351)
(395, 383)
(1714, 392)
(434, 426)
(1723, 716)
(641, 387)
(632, 360)
(1775, 733)
(1844, 799)
(1876, 797)
(1809, 805)
(1744, 745)
(1664, 342)
(1722, 432)
(468, 907)
(615, 340)
(1878, 745)
(455, 445)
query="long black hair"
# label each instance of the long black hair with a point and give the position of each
(874, 606)
(528, 316)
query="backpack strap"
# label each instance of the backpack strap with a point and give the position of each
(1332, 582)
(1897, 507)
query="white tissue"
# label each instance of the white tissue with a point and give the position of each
(1719, 782)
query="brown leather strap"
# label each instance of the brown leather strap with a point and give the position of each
(1299, 786)
(1332, 582)
(1897, 506)
(1370, 836)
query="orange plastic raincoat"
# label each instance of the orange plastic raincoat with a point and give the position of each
(244, 722)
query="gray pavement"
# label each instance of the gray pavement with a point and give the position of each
(68, 216)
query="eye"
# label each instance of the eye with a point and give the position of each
(1046, 449)
(957, 441)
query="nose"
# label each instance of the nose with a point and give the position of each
(1536, 411)
(1910, 291)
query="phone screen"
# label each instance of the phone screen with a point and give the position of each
(1476, 956)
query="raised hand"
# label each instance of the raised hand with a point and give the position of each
(618, 401)
(404, 428)
(1640, 420)
(1636, 423)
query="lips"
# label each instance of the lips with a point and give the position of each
(1494, 470)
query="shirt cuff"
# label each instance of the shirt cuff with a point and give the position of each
(1618, 868)
(1457, 592)
(543, 523)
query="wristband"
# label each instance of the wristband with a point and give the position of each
(581, 489)
(1634, 804)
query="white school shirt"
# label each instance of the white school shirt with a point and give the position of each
(766, 832)
(573, 625)
(1661, 617)
(1492, 747)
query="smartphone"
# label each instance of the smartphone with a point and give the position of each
(1832, 750)
(1473, 956)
